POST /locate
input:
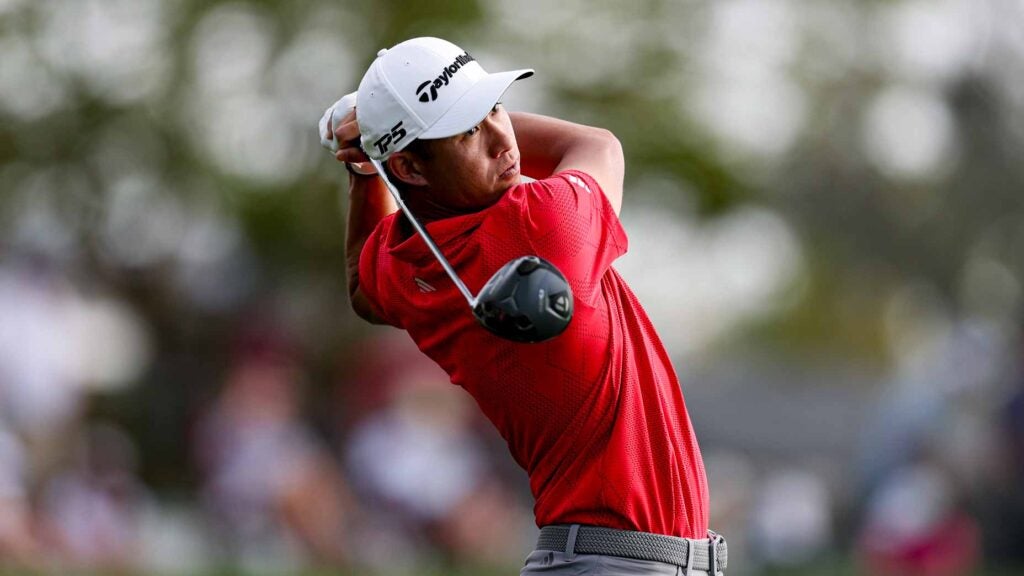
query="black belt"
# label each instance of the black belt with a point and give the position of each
(709, 554)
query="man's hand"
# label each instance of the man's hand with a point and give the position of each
(339, 133)
(339, 108)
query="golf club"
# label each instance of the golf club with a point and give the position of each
(526, 300)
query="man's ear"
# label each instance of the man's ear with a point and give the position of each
(406, 168)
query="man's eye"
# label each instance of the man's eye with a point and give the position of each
(495, 109)
(472, 130)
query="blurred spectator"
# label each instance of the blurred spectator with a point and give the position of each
(792, 519)
(417, 460)
(18, 545)
(917, 524)
(90, 510)
(39, 394)
(271, 486)
(939, 387)
(927, 446)
(1002, 498)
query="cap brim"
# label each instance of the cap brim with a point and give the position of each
(474, 105)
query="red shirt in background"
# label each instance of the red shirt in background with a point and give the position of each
(596, 415)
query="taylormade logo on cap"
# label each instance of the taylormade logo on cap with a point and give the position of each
(443, 78)
(457, 91)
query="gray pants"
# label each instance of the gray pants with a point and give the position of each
(545, 563)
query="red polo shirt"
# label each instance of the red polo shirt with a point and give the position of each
(595, 416)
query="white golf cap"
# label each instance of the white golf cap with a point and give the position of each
(425, 88)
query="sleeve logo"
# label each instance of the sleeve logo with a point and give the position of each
(579, 182)
(423, 285)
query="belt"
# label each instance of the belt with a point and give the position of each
(709, 554)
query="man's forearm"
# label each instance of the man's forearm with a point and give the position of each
(544, 142)
(548, 145)
(369, 202)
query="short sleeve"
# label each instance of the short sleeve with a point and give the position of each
(571, 223)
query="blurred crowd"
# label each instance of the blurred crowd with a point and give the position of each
(183, 388)
(403, 475)
(399, 471)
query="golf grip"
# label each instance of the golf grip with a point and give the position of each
(425, 235)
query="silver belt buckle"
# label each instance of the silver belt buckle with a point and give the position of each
(713, 538)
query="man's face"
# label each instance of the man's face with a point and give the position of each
(471, 171)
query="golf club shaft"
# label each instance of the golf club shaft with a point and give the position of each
(425, 235)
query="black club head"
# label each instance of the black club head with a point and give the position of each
(527, 300)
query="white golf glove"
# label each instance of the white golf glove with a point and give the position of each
(335, 112)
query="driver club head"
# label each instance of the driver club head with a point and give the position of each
(526, 300)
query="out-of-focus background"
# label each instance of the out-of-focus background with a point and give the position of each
(825, 203)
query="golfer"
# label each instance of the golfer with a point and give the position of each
(595, 415)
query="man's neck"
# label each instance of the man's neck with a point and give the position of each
(417, 200)
(425, 209)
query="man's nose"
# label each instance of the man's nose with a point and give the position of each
(499, 135)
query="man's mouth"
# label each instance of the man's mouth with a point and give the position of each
(510, 171)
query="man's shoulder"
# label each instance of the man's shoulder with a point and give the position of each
(564, 185)
(573, 176)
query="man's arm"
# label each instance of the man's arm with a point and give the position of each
(369, 203)
(549, 145)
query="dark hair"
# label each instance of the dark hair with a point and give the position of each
(420, 149)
